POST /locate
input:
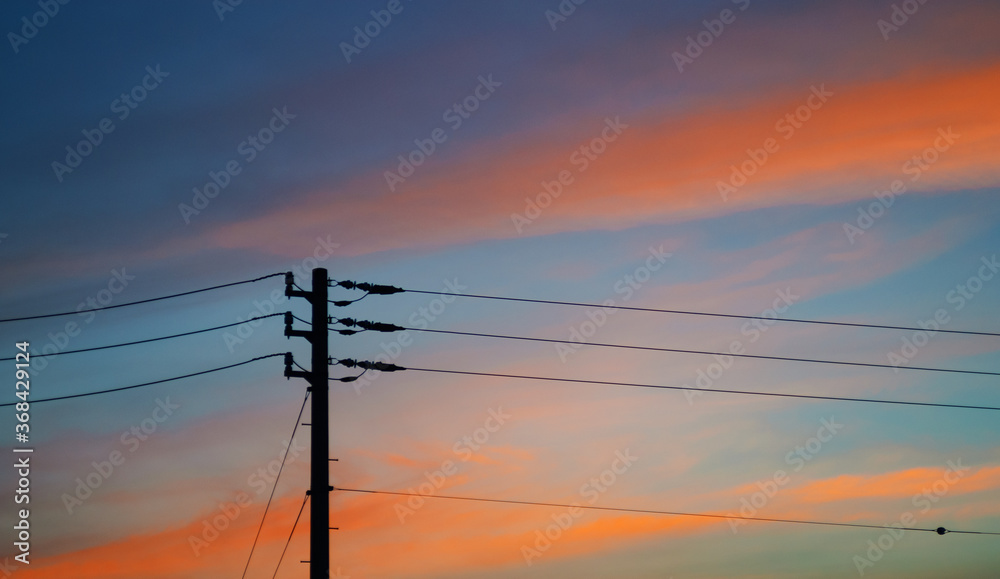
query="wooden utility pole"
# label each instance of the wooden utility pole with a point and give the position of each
(319, 381)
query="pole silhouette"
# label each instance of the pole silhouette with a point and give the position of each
(319, 387)
(319, 533)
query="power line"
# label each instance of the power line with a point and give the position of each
(295, 524)
(721, 391)
(148, 340)
(298, 419)
(390, 368)
(382, 327)
(939, 530)
(53, 399)
(39, 317)
(704, 353)
(711, 314)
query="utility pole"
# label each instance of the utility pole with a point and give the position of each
(319, 381)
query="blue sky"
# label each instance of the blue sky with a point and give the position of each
(317, 195)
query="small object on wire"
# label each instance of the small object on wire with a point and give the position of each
(368, 288)
(368, 326)
(380, 326)
(367, 365)
(372, 288)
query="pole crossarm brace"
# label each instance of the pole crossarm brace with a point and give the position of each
(290, 333)
(290, 290)
(289, 373)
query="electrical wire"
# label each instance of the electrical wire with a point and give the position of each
(67, 397)
(348, 378)
(704, 353)
(260, 527)
(301, 320)
(148, 340)
(711, 314)
(295, 524)
(344, 303)
(939, 530)
(39, 317)
(717, 390)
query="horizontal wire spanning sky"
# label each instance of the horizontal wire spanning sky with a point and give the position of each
(777, 159)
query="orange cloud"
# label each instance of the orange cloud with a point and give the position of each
(465, 537)
(167, 553)
(900, 484)
(666, 167)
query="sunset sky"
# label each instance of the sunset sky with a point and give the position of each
(814, 160)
